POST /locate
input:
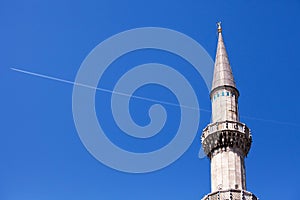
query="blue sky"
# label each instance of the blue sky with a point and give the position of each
(42, 155)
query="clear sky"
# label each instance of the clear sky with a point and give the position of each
(42, 156)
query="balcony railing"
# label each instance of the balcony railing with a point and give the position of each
(225, 125)
(220, 135)
(230, 195)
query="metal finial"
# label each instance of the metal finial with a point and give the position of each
(219, 27)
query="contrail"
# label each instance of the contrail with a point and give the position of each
(271, 121)
(104, 90)
(142, 98)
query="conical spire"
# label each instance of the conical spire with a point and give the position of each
(222, 71)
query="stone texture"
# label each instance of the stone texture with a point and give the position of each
(231, 194)
(226, 141)
(222, 71)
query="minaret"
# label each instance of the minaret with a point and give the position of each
(226, 141)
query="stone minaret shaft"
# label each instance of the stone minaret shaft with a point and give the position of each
(226, 141)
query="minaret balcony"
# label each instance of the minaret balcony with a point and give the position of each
(226, 135)
(230, 195)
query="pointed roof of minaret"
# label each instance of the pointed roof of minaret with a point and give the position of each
(222, 70)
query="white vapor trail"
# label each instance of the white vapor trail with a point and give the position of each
(139, 97)
(104, 90)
